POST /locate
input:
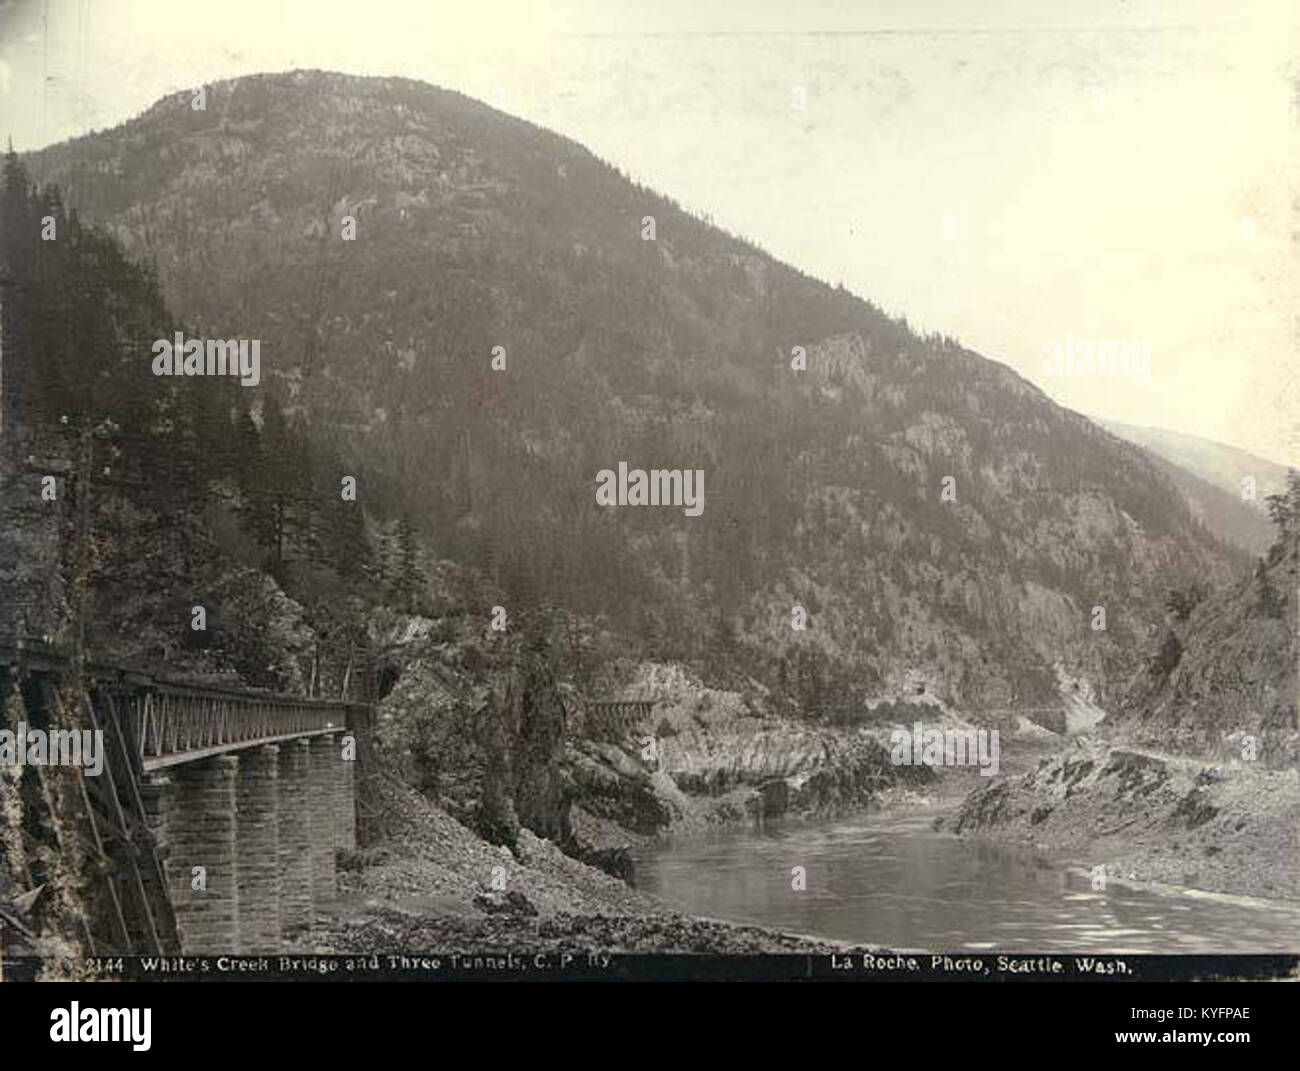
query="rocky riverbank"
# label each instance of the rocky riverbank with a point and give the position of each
(705, 756)
(709, 756)
(434, 884)
(1216, 825)
(520, 750)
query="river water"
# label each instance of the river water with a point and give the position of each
(894, 883)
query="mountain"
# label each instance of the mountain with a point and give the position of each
(1191, 778)
(1227, 664)
(1210, 475)
(943, 525)
(1217, 463)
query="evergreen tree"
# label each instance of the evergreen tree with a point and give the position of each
(266, 508)
(351, 555)
(408, 587)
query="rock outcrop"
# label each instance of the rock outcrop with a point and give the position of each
(1228, 826)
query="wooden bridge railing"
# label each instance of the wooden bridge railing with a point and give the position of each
(169, 722)
(147, 722)
(172, 724)
(616, 717)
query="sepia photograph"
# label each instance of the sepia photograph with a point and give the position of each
(609, 492)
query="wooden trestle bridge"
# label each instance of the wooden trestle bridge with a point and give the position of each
(614, 718)
(228, 779)
(254, 790)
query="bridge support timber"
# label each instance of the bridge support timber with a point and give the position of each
(257, 790)
(264, 823)
(295, 839)
(201, 867)
(257, 855)
(323, 799)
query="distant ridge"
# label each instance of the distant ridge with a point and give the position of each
(1210, 476)
(1216, 463)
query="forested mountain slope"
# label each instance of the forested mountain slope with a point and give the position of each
(1227, 664)
(822, 487)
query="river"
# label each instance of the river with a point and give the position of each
(894, 883)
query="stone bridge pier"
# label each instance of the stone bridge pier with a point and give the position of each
(248, 840)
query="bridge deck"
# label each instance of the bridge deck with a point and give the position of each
(150, 764)
(169, 722)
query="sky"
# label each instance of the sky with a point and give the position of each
(1020, 175)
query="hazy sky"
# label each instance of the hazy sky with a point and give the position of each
(1011, 173)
